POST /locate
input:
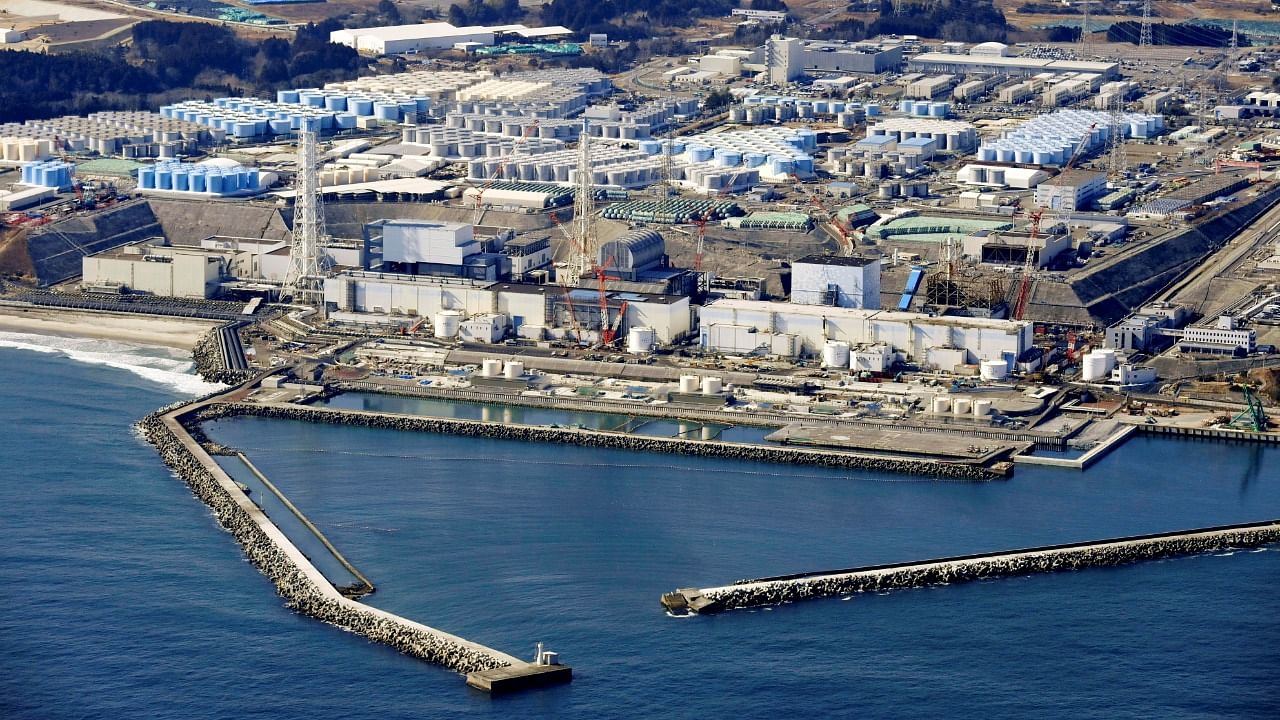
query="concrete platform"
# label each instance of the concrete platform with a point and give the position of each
(895, 442)
(519, 677)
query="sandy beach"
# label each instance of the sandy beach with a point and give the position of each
(180, 333)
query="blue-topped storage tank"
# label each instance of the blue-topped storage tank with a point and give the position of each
(336, 103)
(344, 121)
(386, 111)
(362, 107)
(939, 109)
(906, 106)
(241, 129)
(808, 139)
(181, 175)
(727, 158)
(253, 180)
(213, 183)
(423, 103)
(754, 159)
(197, 180)
(873, 109)
(326, 122)
(803, 164)
(312, 99)
(287, 96)
(146, 178)
(164, 177)
(310, 124)
(650, 147)
(700, 153)
(280, 127)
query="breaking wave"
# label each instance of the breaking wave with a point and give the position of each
(164, 366)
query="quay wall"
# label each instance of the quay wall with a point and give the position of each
(296, 580)
(753, 418)
(593, 438)
(1076, 556)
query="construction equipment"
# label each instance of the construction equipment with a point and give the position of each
(826, 217)
(498, 172)
(1252, 417)
(1028, 267)
(701, 222)
(573, 315)
(1222, 161)
(601, 271)
(616, 328)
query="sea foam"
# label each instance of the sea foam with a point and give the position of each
(164, 366)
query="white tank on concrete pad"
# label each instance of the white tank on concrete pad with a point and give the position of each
(712, 385)
(835, 354)
(490, 368)
(994, 370)
(688, 383)
(961, 406)
(641, 340)
(981, 408)
(514, 370)
(446, 324)
(941, 405)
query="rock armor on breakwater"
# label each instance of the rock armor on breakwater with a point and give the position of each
(293, 584)
(592, 438)
(1076, 556)
(209, 364)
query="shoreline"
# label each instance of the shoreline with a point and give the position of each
(170, 332)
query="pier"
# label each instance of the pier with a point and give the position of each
(968, 568)
(305, 587)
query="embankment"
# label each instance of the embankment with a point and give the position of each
(1053, 558)
(294, 577)
(600, 439)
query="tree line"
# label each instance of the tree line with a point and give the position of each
(168, 61)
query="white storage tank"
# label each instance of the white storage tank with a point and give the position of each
(835, 354)
(981, 408)
(447, 322)
(641, 340)
(961, 406)
(688, 383)
(993, 370)
(1110, 355)
(712, 385)
(514, 370)
(941, 405)
(490, 368)
(1095, 367)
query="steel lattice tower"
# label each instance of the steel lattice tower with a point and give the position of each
(1144, 39)
(583, 206)
(306, 254)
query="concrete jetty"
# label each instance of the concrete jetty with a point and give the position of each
(967, 568)
(301, 583)
(620, 440)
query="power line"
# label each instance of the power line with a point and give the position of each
(1144, 39)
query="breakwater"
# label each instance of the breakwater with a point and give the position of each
(602, 439)
(215, 356)
(299, 582)
(968, 568)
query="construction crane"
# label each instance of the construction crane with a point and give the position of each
(498, 171)
(1252, 417)
(701, 222)
(1024, 285)
(1221, 162)
(602, 276)
(573, 315)
(616, 328)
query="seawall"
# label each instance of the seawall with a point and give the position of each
(304, 588)
(600, 439)
(967, 568)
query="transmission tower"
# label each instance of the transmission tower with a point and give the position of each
(1144, 39)
(1118, 159)
(583, 207)
(899, 7)
(1235, 34)
(306, 254)
(1084, 28)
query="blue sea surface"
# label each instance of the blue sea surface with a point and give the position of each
(123, 599)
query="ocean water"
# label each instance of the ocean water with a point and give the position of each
(123, 599)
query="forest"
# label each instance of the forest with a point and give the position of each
(1162, 34)
(165, 62)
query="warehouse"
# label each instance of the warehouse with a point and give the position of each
(397, 39)
(973, 64)
(735, 326)
(996, 176)
(790, 58)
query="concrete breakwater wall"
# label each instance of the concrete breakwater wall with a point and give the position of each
(1055, 558)
(210, 363)
(594, 438)
(295, 579)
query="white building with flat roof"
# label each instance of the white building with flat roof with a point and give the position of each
(838, 281)
(759, 324)
(1001, 65)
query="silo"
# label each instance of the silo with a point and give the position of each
(446, 325)
(1095, 367)
(514, 370)
(641, 340)
(213, 183)
(961, 406)
(197, 180)
(688, 383)
(981, 408)
(490, 367)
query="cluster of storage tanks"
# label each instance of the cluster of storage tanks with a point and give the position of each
(49, 173)
(856, 162)
(1052, 139)
(924, 108)
(495, 368)
(515, 126)
(15, 149)
(902, 188)
(960, 406)
(133, 134)
(1098, 364)
(201, 178)
(459, 143)
(694, 384)
(774, 152)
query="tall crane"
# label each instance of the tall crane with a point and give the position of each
(602, 277)
(1024, 285)
(701, 222)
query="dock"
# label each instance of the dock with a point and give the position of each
(905, 443)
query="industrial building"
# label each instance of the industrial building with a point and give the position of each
(1072, 190)
(156, 269)
(850, 282)
(534, 312)
(743, 326)
(398, 39)
(1223, 338)
(791, 58)
(990, 63)
(443, 249)
(1011, 248)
